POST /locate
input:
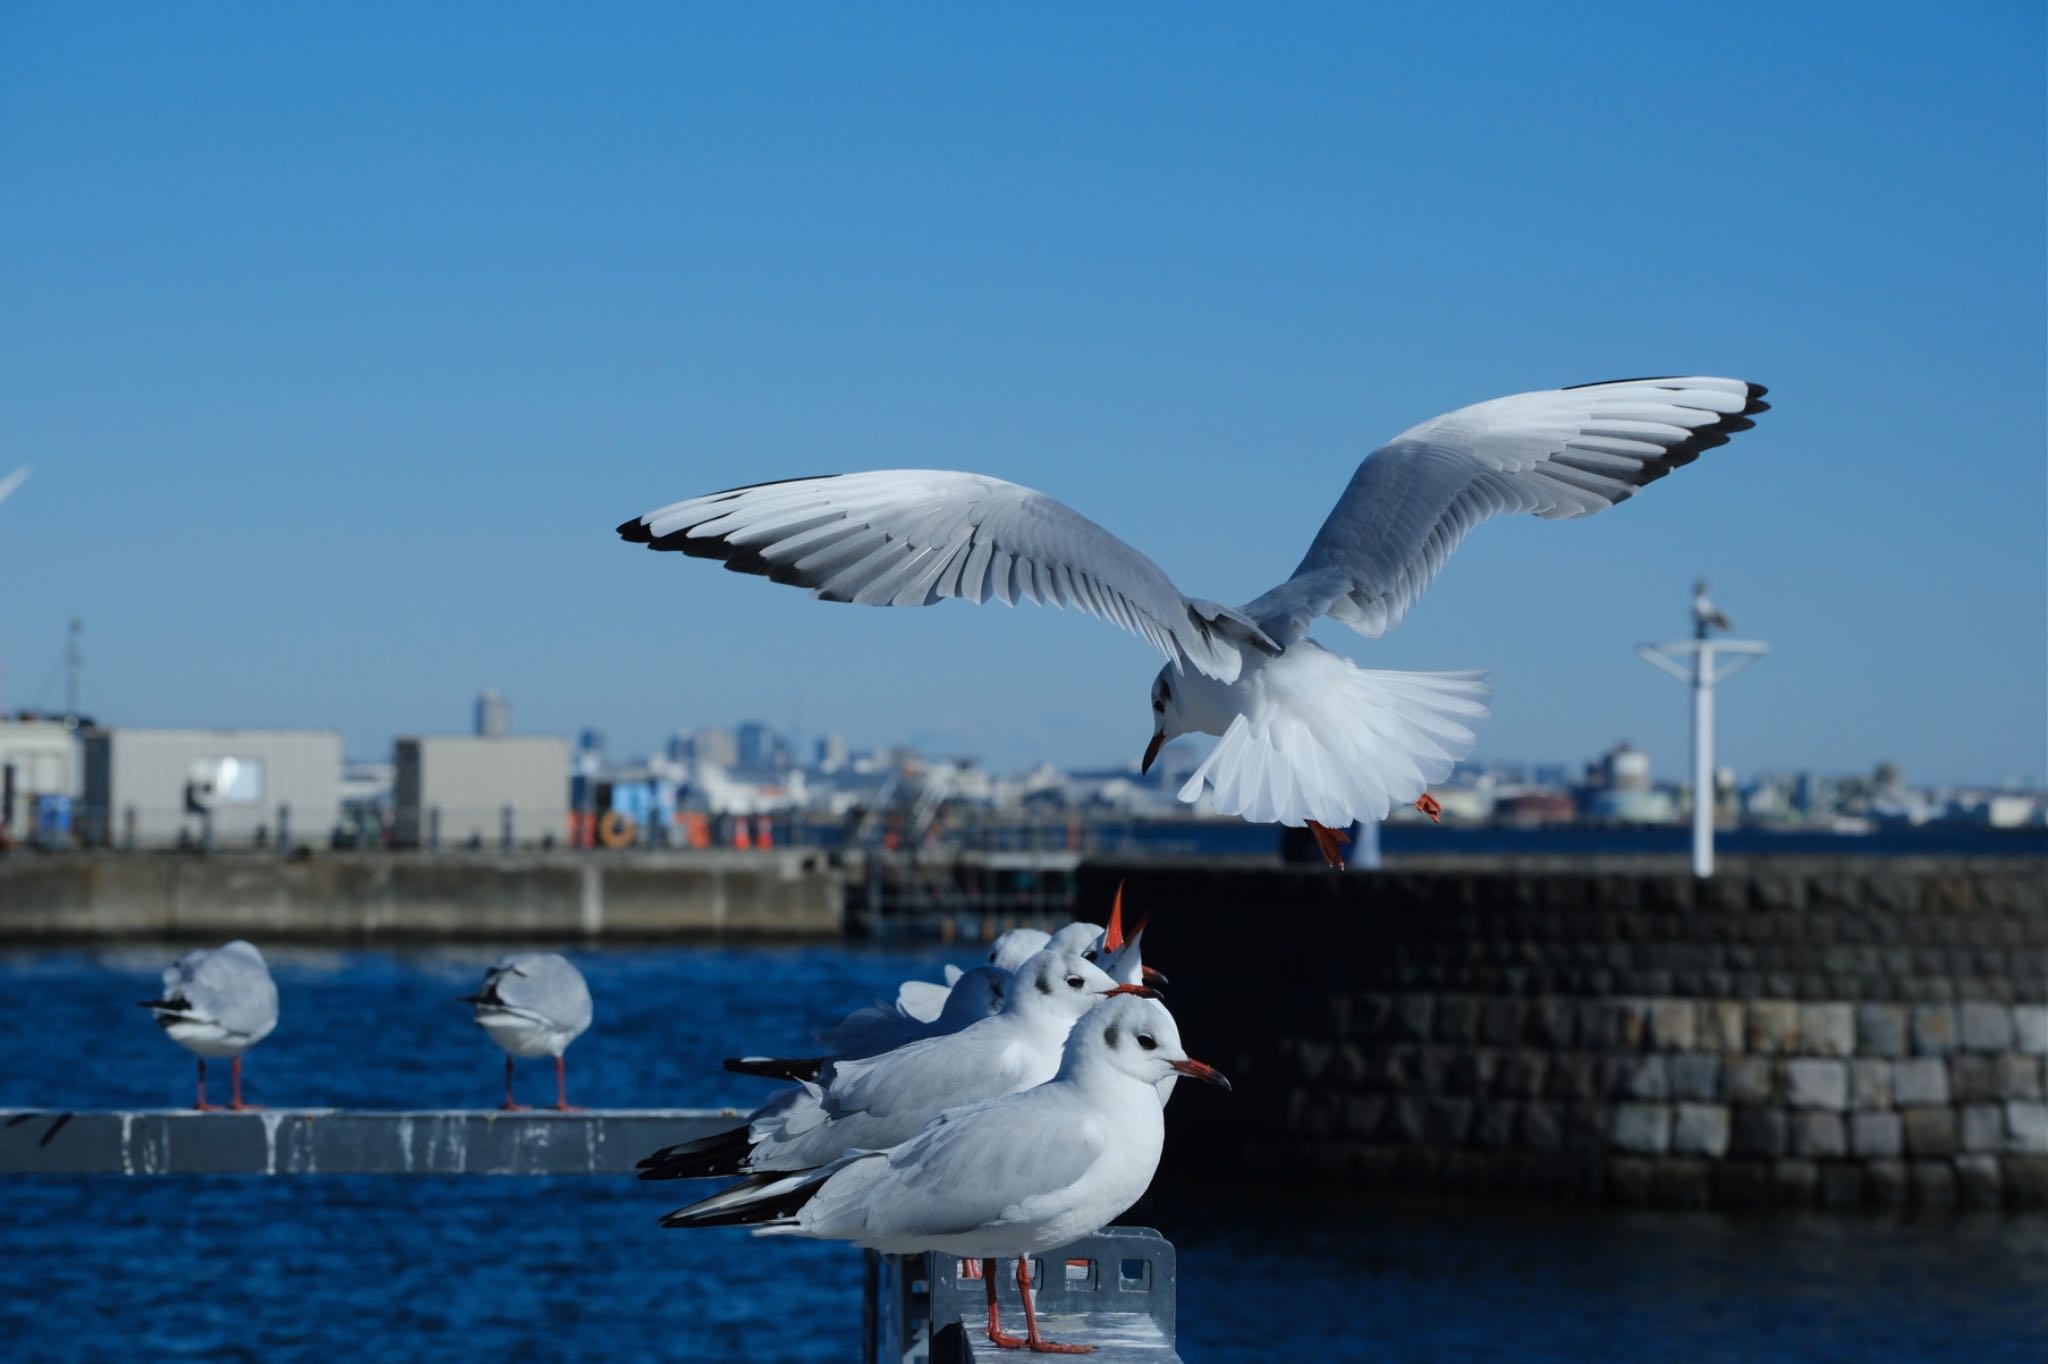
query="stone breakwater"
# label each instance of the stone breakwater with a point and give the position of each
(1827, 1034)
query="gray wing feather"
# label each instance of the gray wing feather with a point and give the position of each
(1557, 453)
(545, 985)
(913, 537)
(230, 986)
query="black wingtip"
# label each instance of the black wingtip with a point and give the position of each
(635, 532)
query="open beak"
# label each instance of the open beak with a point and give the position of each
(1198, 1070)
(1152, 751)
(1153, 976)
(1113, 935)
(1142, 991)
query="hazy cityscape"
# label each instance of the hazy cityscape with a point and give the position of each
(68, 780)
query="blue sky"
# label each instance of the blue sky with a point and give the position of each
(340, 339)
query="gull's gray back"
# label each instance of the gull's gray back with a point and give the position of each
(230, 985)
(545, 985)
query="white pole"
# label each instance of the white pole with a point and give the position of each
(1703, 761)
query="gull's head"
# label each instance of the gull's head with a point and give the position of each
(1061, 985)
(1010, 951)
(1137, 1036)
(977, 994)
(1167, 720)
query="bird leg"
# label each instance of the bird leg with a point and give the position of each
(1330, 841)
(203, 1106)
(562, 1104)
(1428, 805)
(235, 1097)
(996, 1334)
(1034, 1342)
(970, 1269)
(508, 1106)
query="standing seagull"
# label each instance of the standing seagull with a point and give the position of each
(533, 1004)
(1706, 617)
(1015, 1176)
(1307, 737)
(218, 1003)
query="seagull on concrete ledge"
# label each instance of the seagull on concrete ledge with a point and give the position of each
(218, 1003)
(533, 1004)
(881, 1100)
(1016, 1176)
(1306, 737)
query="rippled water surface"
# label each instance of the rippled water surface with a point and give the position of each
(575, 1269)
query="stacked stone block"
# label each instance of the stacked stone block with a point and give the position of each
(1678, 1100)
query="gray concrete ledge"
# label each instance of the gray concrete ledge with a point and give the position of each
(439, 897)
(330, 1141)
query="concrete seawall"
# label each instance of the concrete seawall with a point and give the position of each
(420, 896)
(1795, 1033)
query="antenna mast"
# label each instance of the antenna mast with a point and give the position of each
(1703, 661)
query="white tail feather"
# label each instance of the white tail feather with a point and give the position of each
(1327, 740)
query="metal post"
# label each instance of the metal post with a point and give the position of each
(433, 828)
(284, 829)
(505, 828)
(1702, 669)
(1703, 761)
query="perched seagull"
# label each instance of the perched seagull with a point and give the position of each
(881, 1100)
(533, 1004)
(218, 1003)
(976, 995)
(923, 999)
(1307, 737)
(1019, 1175)
(1706, 617)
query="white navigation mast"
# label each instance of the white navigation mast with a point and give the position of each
(1703, 661)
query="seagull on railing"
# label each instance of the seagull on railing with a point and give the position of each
(533, 1004)
(218, 1002)
(1016, 1176)
(881, 1100)
(1706, 617)
(1306, 737)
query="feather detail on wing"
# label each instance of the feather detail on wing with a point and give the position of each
(1323, 739)
(913, 537)
(1558, 453)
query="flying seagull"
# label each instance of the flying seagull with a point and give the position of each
(1306, 737)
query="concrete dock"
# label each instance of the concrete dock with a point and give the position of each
(421, 897)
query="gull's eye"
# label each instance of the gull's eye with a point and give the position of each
(1075, 982)
(1147, 1041)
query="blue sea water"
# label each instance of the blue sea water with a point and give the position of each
(227, 1268)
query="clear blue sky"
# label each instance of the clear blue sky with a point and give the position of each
(341, 339)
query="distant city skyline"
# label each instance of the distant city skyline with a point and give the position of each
(337, 357)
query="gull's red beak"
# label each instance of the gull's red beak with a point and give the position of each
(1154, 977)
(1207, 1074)
(1113, 936)
(1142, 991)
(1152, 751)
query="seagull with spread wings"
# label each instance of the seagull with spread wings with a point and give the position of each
(1305, 737)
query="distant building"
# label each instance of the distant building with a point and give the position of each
(493, 715)
(156, 788)
(710, 745)
(831, 753)
(461, 790)
(39, 772)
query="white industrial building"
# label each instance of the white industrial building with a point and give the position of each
(38, 765)
(155, 788)
(462, 790)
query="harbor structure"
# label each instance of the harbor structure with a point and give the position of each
(480, 791)
(160, 788)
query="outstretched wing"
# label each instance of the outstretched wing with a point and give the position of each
(912, 537)
(1562, 452)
